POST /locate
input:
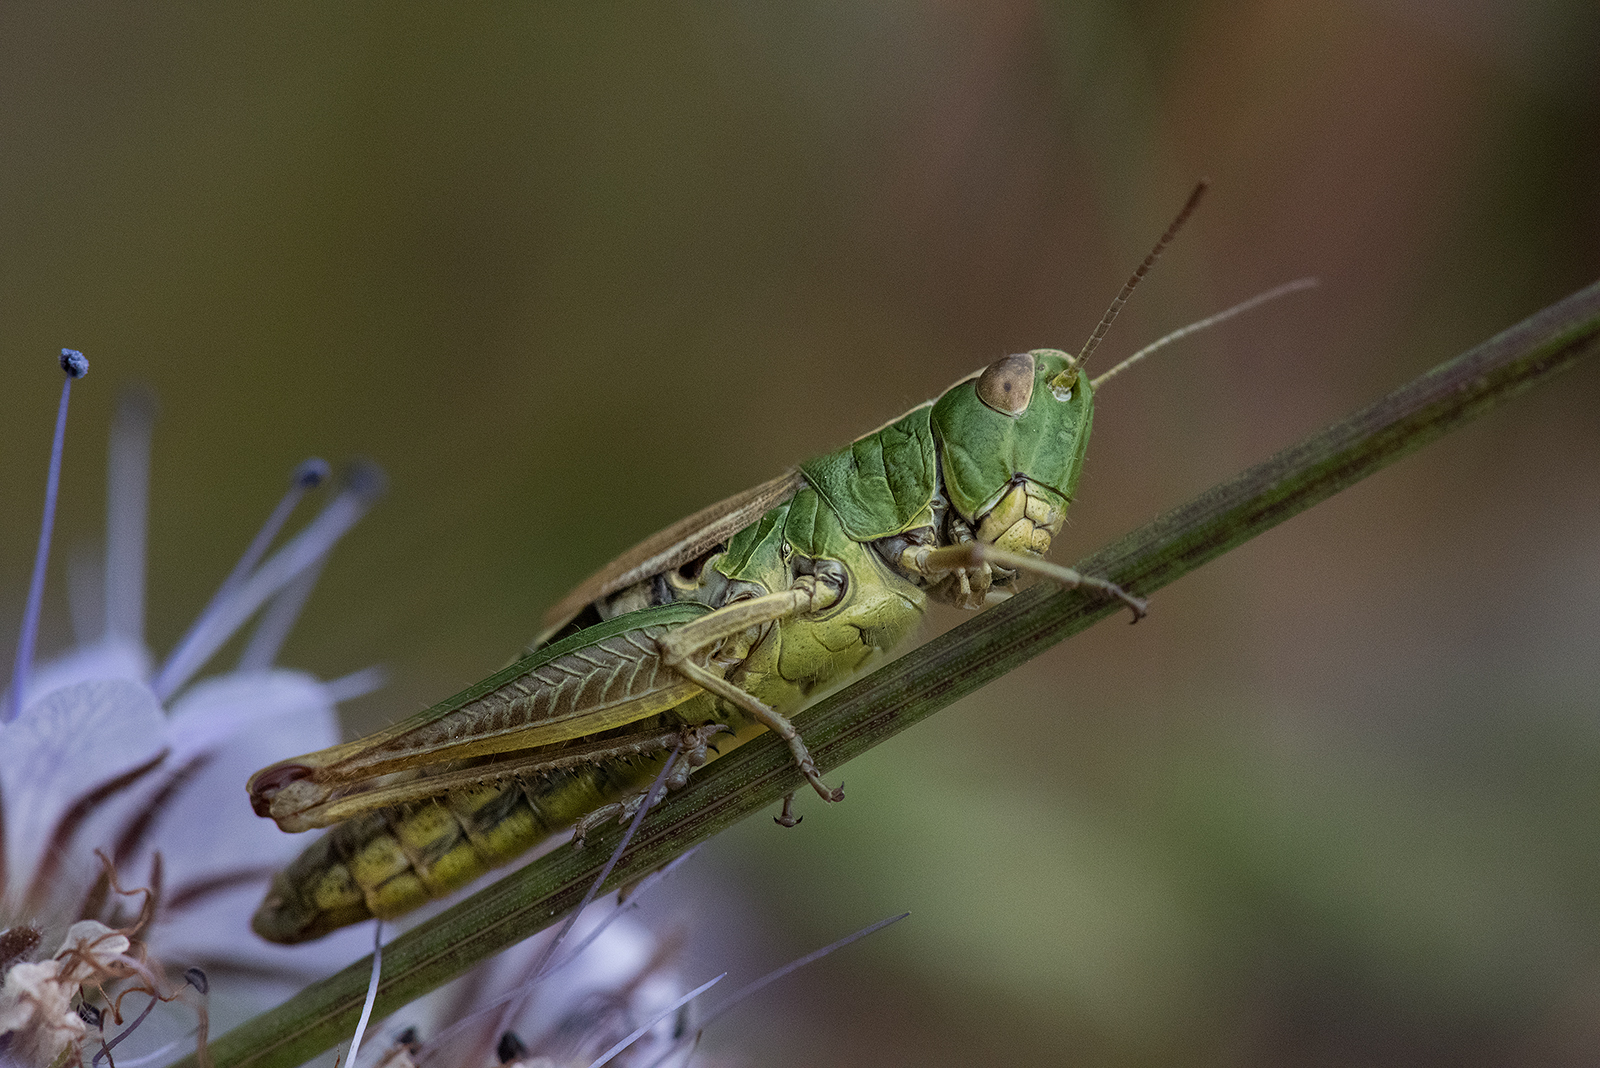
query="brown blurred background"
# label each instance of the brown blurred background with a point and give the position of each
(569, 274)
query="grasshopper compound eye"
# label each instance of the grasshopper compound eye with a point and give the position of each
(1007, 384)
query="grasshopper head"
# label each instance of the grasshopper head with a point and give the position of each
(1011, 445)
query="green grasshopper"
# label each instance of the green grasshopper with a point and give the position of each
(721, 625)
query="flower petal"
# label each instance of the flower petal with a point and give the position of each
(208, 834)
(214, 710)
(611, 970)
(246, 721)
(216, 935)
(62, 747)
(112, 658)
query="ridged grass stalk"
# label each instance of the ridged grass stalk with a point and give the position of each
(928, 678)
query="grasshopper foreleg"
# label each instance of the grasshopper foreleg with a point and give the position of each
(975, 553)
(809, 594)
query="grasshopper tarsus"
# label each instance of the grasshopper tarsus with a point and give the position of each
(808, 768)
(618, 810)
(1137, 605)
(1108, 589)
(787, 818)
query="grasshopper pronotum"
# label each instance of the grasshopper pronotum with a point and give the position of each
(719, 625)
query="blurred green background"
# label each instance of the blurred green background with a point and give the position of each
(571, 271)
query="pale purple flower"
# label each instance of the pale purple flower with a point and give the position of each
(112, 754)
(112, 757)
(625, 978)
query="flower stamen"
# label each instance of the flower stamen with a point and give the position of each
(646, 1027)
(620, 911)
(372, 992)
(278, 619)
(141, 823)
(75, 366)
(307, 476)
(795, 965)
(232, 607)
(193, 977)
(127, 516)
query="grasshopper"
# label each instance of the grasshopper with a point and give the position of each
(696, 640)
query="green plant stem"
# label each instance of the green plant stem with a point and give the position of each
(928, 678)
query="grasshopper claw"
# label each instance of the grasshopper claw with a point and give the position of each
(1108, 589)
(787, 818)
(808, 768)
(1137, 605)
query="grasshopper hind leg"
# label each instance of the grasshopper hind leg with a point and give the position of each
(810, 593)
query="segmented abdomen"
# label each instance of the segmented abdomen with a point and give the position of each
(389, 862)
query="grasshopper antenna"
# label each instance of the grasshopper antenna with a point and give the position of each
(1138, 276)
(1209, 321)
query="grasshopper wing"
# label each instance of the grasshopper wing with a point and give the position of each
(678, 544)
(605, 676)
